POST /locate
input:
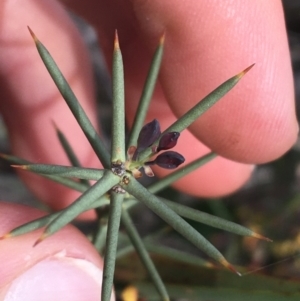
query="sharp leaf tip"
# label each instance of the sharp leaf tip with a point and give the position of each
(116, 42)
(40, 240)
(241, 74)
(258, 236)
(162, 38)
(5, 236)
(229, 266)
(32, 34)
(19, 166)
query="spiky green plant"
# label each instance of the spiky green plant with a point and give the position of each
(116, 184)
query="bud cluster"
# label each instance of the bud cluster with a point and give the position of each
(147, 137)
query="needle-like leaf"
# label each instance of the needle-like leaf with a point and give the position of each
(73, 103)
(31, 226)
(100, 237)
(66, 147)
(45, 220)
(69, 151)
(83, 203)
(61, 180)
(118, 108)
(133, 187)
(147, 93)
(211, 220)
(144, 255)
(200, 108)
(63, 171)
(114, 218)
(180, 172)
(177, 255)
(128, 248)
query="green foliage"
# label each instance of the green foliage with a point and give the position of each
(116, 184)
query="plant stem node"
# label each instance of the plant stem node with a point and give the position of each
(125, 180)
(118, 189)
(118, 168)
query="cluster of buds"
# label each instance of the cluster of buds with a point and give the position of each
(148, 135)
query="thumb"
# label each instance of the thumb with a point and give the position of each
(63, 267)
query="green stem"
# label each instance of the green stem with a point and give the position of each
(174, 220)
(200, 108)
(64, 171)
(83, 203)
(208, 219)
(144, 255)
(63, 181)
(45, 220)
(100, 237)
(73, 103)
(114, 218)
(147, 93)
(180, 173)
(118, 110)
(69, 151)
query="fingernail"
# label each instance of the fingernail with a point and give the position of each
(58, 279)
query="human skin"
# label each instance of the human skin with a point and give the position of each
(206, 43)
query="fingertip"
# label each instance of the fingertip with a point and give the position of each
(57, 278)
(66, 260)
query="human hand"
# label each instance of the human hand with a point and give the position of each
(206, 43)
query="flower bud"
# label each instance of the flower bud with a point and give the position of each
(148, 134)
(168, 140)
(169, 160)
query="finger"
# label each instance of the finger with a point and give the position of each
(206, 43)
(255, 122)
(216, 178)
(29, 100)
(201, 52)
(65, 266)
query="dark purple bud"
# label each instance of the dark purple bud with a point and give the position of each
(149, 133)
(169, 160)
(167, 141)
